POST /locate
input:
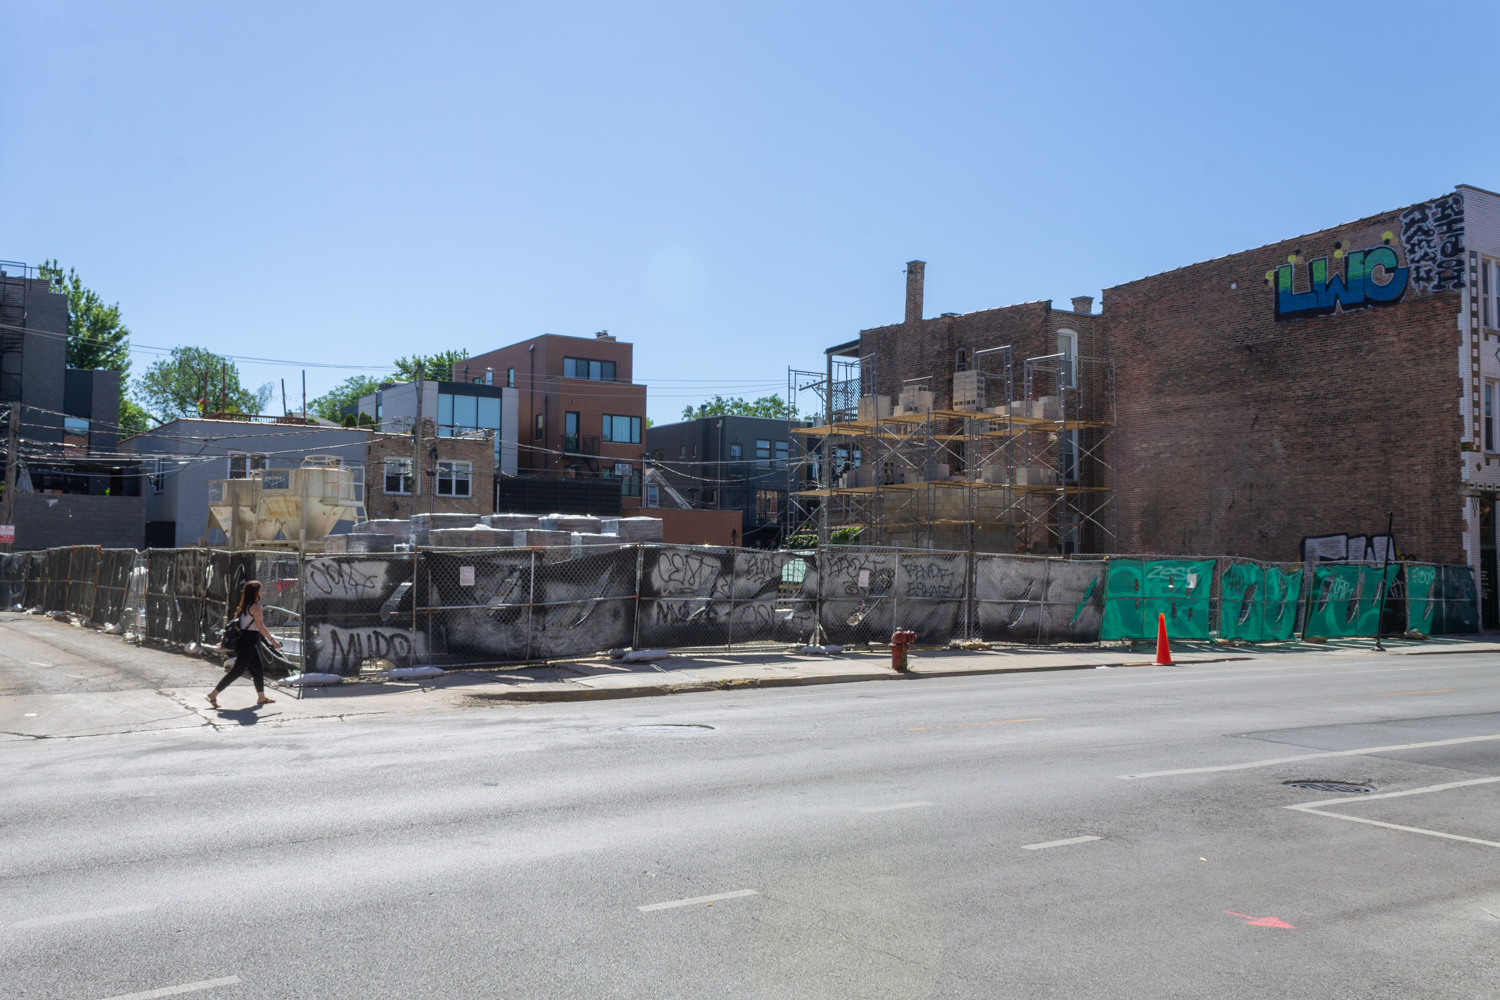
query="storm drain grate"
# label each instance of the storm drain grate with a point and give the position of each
(1331, 786)
(666, 728)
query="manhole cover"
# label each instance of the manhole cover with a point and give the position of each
(1330, 786)
(665, 728)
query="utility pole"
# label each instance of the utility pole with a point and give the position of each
(284, 411)
(12, 464)
(304, 394)
(416, 444)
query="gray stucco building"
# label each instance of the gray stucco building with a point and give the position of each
(179, 459)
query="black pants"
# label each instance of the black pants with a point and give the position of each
(246, 657)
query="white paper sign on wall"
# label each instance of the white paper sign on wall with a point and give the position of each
(466, 576)
(864, 578)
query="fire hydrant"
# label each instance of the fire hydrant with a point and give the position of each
(900, 639)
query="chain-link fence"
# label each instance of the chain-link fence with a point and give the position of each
(335, 613)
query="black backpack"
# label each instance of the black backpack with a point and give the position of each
(232, 633)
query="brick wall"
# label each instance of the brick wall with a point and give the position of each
(480, 453)
(697, 527)
(1241, 435)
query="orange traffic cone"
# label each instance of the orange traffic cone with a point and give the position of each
(1163, 651)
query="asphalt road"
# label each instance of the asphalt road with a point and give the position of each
(877, 835)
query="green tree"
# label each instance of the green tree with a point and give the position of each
(133, 418)
(434, 366)
(765, 406)
(96, 336)
(194, 381)
(329, 405)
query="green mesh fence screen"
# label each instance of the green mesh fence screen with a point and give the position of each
(1345, 600)
(1258, 601)
(1136, 591)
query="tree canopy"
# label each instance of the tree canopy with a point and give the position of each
(96, 336)
(329, 405)
(434, 366)
(765, 406)
(194, 381)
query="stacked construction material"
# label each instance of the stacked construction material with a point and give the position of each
(639, 529)
(511, 522)
(571, 523)
(478, 537)
(538, 536)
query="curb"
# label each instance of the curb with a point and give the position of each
(646, 691)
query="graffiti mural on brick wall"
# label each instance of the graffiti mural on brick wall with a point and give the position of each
(1432, 237)
(1371, 277)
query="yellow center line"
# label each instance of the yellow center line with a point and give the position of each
(961, 725)
(1393, 694)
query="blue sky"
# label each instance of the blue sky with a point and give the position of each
(730, 187)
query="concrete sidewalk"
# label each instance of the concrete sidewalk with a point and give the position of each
(59, 682)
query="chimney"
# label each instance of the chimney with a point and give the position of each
(1083, 304)
(914, 272)
(604, 335)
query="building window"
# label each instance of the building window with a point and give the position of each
(622, 430)
(398, 476)
(763, 453)
(453, 479)
(1067, 346)
(158, 468)
(653, 496)
(630, 479)
(570, 431)
(586, 368)
(767, 504)
(1489, 293)
(1489, 416)
(1067, 455)
(75, 436)
(782, 454)
(510, 378)
(540, 427)
(461, 414)
(240, 466)
(736, 452)
(682, 451)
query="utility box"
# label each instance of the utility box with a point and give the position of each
(874, 407)
(968, 391)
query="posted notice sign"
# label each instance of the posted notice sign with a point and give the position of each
(7, 534)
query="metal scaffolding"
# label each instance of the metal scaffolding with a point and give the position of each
(1024, 462)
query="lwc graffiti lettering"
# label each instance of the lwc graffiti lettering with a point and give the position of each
(1371, 277)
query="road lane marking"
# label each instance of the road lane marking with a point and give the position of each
(1262, 921)
(963, 725)
(898, 805)
(1315, 808)
(1058, 843)
(690, 902)
(1394, 694)
(1311, 756)
(66, 918)
(171, 991)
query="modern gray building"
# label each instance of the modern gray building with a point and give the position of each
(750, 464)
(179, 459)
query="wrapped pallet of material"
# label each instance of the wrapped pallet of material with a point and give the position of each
(511, 522)
(484, 537)
(335, 545)
(434, 522)
(364, 544)
(590, 541)
(539, 536)
(639, 529)
(571, 523)
(399, 530)
(448, 537)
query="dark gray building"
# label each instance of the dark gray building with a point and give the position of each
(69, 430)
(749, 464)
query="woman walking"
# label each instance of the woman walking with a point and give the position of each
(247, 649)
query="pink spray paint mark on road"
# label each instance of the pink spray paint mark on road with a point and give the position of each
(1262, 921)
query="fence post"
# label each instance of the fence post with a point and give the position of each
(896, 594)
(971, 607)
(531, 605)
(1046, 633)
(640, 569)
(733, 567)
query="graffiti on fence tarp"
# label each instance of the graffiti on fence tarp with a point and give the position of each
(1346, 599)
(866, 595)
(1137, 592)
(1258, 602)
(357, 581)
(1021, 599)
(932, 580)
(336, 650)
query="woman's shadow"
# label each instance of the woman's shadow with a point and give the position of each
(247, 716)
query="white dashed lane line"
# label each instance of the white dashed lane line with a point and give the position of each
(697, 899)
(68, 918)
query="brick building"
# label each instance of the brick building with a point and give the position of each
(1304, 389)
(458, 474)
(930, 486)
(582, 414)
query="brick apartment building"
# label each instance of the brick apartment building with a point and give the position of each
(581, 413)
(458, 474)
(1304, 389)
